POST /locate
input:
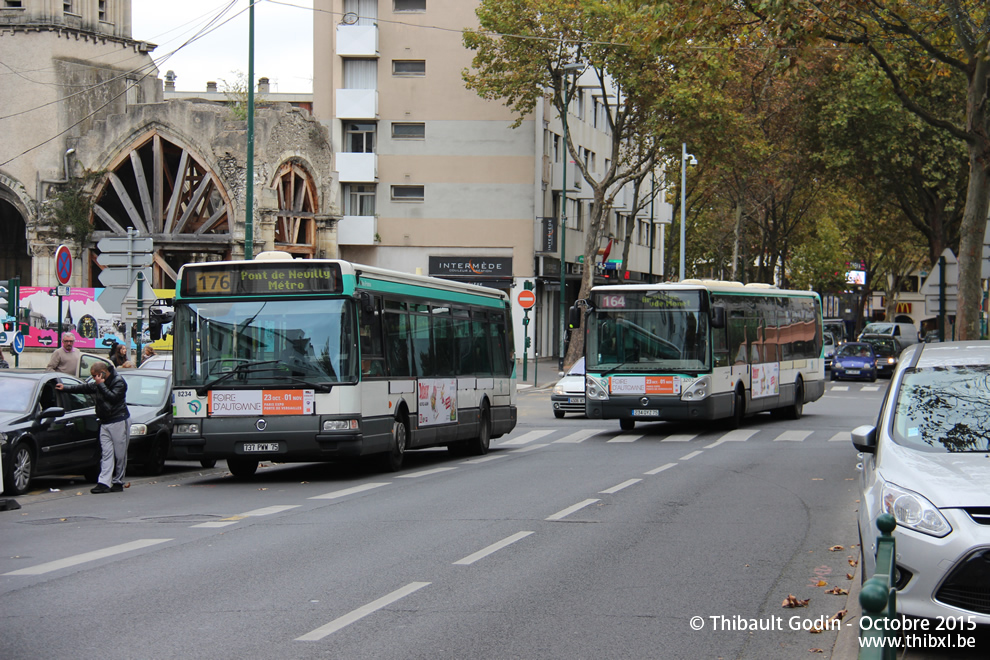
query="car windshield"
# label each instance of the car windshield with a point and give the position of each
(854, 350)
(884, 347)
(577, 369)
(145, 390)
(15, 394)
(879, 329)
(944, 409)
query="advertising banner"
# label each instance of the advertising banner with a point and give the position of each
(437, 401)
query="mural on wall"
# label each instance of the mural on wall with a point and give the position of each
(94, 327)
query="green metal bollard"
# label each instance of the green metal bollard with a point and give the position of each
(878, 598)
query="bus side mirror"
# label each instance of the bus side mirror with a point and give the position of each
(718, 316)
(367, 302)
(574, 317)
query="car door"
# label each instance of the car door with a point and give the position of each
(53, 438)
(81, 425)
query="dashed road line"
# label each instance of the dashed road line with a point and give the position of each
(841, 436)
(494, 547)
(577, 436)
(660, 469)
(681, 437)
(739, 435)
(626, 438)
(527, 437)
(75, 560)
(571, 509)
(793, 436)
(350, 491)
(361, 612)
(617, 488)
(233, 520)
(483, 459)
(425, 473)
(688, 457)
(529, 448)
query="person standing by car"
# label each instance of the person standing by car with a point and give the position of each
(65, 358)
(118, 354)
(110, 391)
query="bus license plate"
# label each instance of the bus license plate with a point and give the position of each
(642, 412)
(575, 399)
(261, 446)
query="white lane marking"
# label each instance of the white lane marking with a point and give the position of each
(571, 509)
(870, 388)
(350, 491)
(361, 612)
(661, 468)
(494, 547)
(269, 510)
(792, 436)
(215, 525)
(681, 437)
(75, 560)
(529, 436)
(530, 448)
(841, 436)
(577, 436)
(425, 473)
(739, 435)
(483, 459)
(688, 457)
(840, 388)
(626, 438)
(617, 488)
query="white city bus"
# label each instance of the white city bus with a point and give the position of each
(312, 360)
(700, 350)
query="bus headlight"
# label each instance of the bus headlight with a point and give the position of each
(187, 429)
(340, 424)
(699, 389)
(594, 390)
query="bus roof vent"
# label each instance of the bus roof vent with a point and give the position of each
(722, 283)
(760, 285)
(273, 255)
(690, 282)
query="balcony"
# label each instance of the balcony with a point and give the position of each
(357, 230)
(357, 40)
(357, 104)
(357, 167)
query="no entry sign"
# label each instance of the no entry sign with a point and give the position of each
(526, 299)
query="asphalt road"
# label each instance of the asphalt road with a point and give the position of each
(571, 540)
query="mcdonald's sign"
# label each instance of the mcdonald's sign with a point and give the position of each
(903, 308)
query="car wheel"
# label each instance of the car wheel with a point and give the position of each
(208, 462)
(242, 468)
(391, 461)
(559, 414)
(20, 471)
(627, 424)
(156, 457)
(873, 378)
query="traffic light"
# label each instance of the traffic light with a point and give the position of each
(9, 325)
(10, 289)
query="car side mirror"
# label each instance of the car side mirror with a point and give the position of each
(51, 413)
(864, 439)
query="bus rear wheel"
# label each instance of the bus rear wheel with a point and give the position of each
(627, 424)
(242, 468)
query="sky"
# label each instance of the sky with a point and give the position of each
(283, 41)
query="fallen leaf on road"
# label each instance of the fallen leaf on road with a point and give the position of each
(849, 576)
(815, 651)
(854, 562)
(838, 591)
(836, 548)
(172, 485)
(838, 616)
(794, 601)
(822, 583)
(262, 489)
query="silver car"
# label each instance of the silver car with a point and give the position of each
(568, 393)
(927, 462)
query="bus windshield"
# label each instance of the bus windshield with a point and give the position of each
(649, 331)
(265, 343)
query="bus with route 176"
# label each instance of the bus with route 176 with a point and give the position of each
(700, 350)
(286, 360)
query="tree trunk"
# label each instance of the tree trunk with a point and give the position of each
(971, 245)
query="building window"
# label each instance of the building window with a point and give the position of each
(13, 4)
(408, 193)
(556, 148)
(410, 5)
(359, 138)
(360, 73)
(66, 6)
(409, 130)
(359, 199)
(103, 10)
(409, 67)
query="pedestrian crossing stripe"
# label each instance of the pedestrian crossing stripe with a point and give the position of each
(527, 441)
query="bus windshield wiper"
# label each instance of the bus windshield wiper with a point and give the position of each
(616, 368)
(242, 368)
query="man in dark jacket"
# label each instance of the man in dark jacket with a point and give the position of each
(110, 392)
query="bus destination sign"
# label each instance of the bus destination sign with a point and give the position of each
(262, 279)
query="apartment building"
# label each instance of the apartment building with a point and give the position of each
(434, 180)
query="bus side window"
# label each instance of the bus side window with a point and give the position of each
(372, 348)
(397, 344)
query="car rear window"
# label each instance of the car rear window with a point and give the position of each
(944, 409)
(15, 394)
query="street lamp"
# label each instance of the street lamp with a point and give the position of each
(685, 157)
(567, 69)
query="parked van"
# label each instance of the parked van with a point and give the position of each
(904, 333)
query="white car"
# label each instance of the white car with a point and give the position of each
(927, 463)
(568, 393)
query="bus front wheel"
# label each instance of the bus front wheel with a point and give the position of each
(391, 460)
(242, 468)
(480, 445)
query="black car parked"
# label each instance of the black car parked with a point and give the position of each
(149, 400)
(45, 431)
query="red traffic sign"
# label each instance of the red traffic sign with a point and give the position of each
(526, 299)
(63, 264)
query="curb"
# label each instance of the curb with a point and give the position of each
(846, 645)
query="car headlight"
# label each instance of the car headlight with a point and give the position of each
(913, 511)
(139, 429)
(891, 360)
(558, 389)
(698, 390)
(595, 390)
(187, 429)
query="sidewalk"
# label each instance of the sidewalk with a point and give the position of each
(540, 373)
